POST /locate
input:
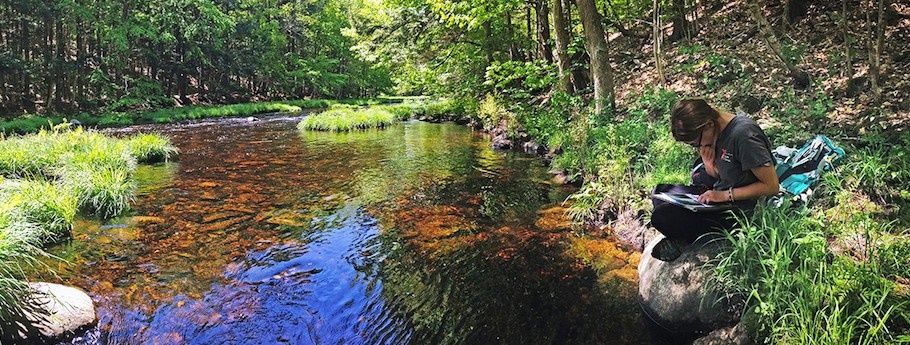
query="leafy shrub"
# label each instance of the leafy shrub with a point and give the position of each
(491, 112)
(550, 124)
(519, 79)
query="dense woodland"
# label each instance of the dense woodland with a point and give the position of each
(61, 56)
(64, 56)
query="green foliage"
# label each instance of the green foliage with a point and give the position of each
(491, 113)
(142, 94)
(590, 200)
(798, 293)
(519, 79)
(550, 124)
(150, 147)
(18, 253)
(624, 158)
(793, 52)
(799, 118)
(41, 202)
(894, 258)
(339, 119)
(148, 54)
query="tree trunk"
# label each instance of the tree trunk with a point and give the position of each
(680, 22)
(801, 79)
(848, 52)
(876, 53)
(658, 34)
(182, 79)
(530, 29)
(59, 64)
(78, 77)
(514, 54)
(488, 41)
(543, 30)
(561, 27)
(596, 45)
(793, 10)
(580, 58)
(47, 52)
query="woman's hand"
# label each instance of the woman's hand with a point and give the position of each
(707, 156)
(714, 196)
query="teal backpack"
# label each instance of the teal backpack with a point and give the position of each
(798, 170)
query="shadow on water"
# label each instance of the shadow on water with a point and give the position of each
(418, 234)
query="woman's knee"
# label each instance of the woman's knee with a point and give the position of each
(664, 218)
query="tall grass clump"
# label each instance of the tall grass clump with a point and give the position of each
(18, 252)
(24, 157)
(339, 119)
(103, 191)
(94, 170)
(150, 148)
(797, 290)
(41, 202)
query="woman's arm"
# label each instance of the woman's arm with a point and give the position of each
(767, 185)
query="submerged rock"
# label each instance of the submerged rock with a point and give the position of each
(54, 313)
(736, 335)
(677, 295)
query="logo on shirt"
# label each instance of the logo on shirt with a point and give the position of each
(726, 156)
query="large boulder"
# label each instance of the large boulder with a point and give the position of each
(54, 313)
(677, 295)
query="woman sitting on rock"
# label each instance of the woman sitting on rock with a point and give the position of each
(736, 152)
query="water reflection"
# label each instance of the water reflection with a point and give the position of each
(418, 234)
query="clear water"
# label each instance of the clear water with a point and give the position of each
(416, 234)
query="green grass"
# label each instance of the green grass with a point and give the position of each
(18, 253)
(33, 123)
(799, 292)
(46, 178)
(79, 168)
(150, 148)
(41, 202)
(340, 119)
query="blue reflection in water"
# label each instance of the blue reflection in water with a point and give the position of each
(320, 289)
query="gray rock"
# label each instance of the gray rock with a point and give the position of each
(736, 335)
(57, 312)
(677, 295)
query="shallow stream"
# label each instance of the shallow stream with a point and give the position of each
(416, 234)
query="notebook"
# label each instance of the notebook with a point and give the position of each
(690, 202)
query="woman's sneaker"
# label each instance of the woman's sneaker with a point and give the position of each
(666, 250)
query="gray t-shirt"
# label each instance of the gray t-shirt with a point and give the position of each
(741, 147)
